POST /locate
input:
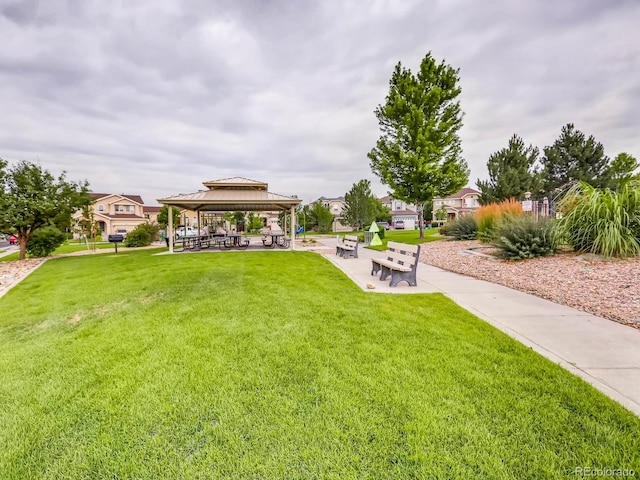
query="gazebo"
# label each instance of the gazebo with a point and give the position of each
(230, 194)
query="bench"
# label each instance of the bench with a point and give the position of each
(348, 247)
(401, 262)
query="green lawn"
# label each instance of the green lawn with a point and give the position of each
(411, 237)
(274, 365)
(68, 247)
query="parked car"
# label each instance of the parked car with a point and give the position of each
(13, 240)
(186, 231)
(384, 225)
(400, 225)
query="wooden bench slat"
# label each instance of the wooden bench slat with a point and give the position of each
(392, 265)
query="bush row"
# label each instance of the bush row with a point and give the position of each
(601, 221)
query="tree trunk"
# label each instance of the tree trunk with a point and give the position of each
(420, 209)
(23, 247)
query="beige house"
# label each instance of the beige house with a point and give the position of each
(119, 213)
(336, 206)
(464, 202)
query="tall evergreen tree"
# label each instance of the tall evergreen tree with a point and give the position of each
(573, 157)
(418, 154)
(624, 168)
(512, 172)
(360, 208)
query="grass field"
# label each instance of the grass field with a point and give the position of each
(412, 237)
(274, 365)
(68, 247)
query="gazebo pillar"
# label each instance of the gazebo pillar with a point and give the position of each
(293, 227)
(170, 228)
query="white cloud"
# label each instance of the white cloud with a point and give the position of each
(154, 97)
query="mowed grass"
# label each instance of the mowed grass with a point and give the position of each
(411, 237)
(274, 365)
(67, 247)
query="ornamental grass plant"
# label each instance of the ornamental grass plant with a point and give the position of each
(488, 216)
(602, 221)
(463, 228)
(525, 236)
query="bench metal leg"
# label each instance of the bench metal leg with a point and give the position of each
(375, 267)
(397, 277)
(386, 271)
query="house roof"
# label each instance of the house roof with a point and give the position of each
(385, 199)
(151, 209)
(460, 194)
(133, 198)
(229, 194)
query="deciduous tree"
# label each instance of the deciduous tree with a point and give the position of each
(418, 154)
(321, 216)
(163, 216)
(360, 205)
(31, 198)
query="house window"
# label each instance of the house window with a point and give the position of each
(398, 206)
(124, 208)
(101, 208)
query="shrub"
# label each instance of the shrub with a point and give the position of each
(488, 217)
(44, 241)
(603, 222)
(463, 228)
(142, 235)
(524, 236)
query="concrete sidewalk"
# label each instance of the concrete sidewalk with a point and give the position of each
(604, 353)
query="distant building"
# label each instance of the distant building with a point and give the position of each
(464, 202)
(336, 206)
(116, 213)
(401, 211)
(151, 213)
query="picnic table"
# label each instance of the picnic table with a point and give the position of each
(270, 240)
(234, 240)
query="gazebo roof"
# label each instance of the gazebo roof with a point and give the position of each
(229, 194)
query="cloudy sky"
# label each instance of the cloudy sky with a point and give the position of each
(154, 97)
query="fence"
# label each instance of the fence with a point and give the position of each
(540, 207)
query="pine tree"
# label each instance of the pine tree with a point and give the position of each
(624, 169)
(571, 158)
(512, 172)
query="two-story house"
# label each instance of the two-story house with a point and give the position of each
(464, 202)
(116, 213)
(401, 212)
(335, 205)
